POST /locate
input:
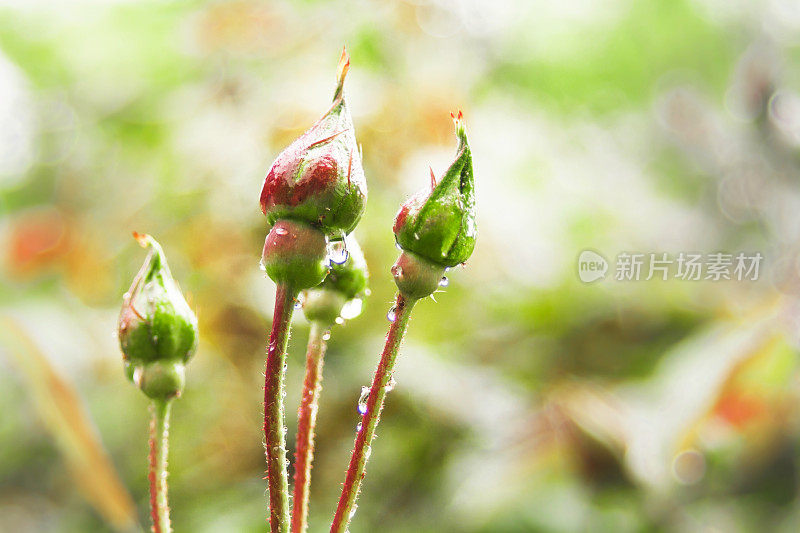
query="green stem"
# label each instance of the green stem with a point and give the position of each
(369, 420)
(274, 415)
(306, 421)
(159, 441)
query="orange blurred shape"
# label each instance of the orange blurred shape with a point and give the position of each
(238, 26)
(739, 409)
(65, 416)
(38, 240)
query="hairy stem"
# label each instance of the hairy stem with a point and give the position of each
(157, 475)
(306, 420)
(274, 430)
(372, 414)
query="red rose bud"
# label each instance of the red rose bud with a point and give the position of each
(435, 228)
(319, 178)
(341, 294)
(157, 329)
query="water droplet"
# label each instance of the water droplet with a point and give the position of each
(444, 282)
(339, 320)
(358, 427)
(352, 308)
(298, 304)
(326, 336)
(353, 511)
(281, 231)
(390, 385)
(397, 271)
(137, 376)
(391, 315)
(337, 252)
(362, 400)
(397, 245)
(262, 266)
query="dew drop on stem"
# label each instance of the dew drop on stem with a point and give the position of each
(362, 400)
(326, 336)
(391, 315)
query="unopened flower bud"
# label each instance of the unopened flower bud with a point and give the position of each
(341, 294)
(157, 329)
(319, 178)
(295, 254)
(436, 227)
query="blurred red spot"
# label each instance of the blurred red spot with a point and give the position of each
(37, 239)
(738, 409)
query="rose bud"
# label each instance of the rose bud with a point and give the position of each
(157, 329)
(435, 228)
(341, 294)
(318, 180)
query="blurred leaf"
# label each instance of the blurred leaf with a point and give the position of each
(66, 418)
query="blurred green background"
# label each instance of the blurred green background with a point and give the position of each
(526, 400)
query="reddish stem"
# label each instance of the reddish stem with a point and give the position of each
(274, 416)
(307, 418)
(369, 420)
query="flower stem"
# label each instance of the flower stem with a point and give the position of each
(157, 475)
(274, 430)
(307, 418)
(369, 420)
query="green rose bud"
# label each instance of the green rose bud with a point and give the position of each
(439, 224)
(157, 329)
(318, 178)
(341, 294)
(435, 228)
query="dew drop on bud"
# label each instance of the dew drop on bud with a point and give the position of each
(352, 308)
(362, 400)
(298, 304)
(281, 231)
(337, 252)
(137, 376)
(391, 315)
(444, 282)
(339, 320)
